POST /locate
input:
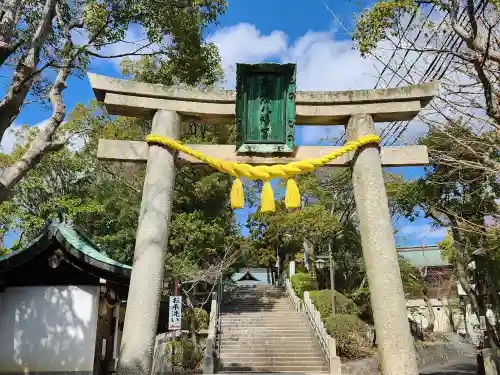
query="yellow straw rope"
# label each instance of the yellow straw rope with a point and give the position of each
(264, 172)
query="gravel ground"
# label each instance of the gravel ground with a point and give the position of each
(463, 366)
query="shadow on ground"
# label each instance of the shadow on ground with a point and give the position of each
(464, 366)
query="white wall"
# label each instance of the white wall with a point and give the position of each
(48, 328)
(417, 309)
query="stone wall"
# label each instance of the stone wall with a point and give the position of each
(428, 354)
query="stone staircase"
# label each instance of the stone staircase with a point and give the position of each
(260, 332)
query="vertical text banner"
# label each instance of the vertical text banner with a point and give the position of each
(174, 313)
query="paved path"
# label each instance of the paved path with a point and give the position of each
(463, 366)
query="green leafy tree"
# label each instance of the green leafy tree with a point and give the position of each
(461, 200)
(40, 37)
(456, 42)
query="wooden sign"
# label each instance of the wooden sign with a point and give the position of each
(175, 313)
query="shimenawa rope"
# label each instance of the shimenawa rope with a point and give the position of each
(264, 172)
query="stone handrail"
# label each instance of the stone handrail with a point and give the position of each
(209, 360)
(327, 342)
(294, 300)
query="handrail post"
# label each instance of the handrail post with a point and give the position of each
(334, 360)
(208, 360)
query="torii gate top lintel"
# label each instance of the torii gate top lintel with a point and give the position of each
(140, 99)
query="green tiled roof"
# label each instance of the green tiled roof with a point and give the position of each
(423, 256)
(83, 245)
(72, 241)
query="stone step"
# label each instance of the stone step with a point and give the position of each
(292, 319)
(271, 356)
(277, 293)
(238, 355)
(281, 372)
(256, 338)
(283, 361)
(266, 331)
(272, 368)
(265, 325)
(275, 351)
(260, 344)
(268, 324)
(275, 326)
(259, 306)
(263, 315)
(259, 303)
(252, 300)
(252, 308)
(254, 291)
(253, 312)
(256, 296)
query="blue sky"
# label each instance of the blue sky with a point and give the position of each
(310, 33)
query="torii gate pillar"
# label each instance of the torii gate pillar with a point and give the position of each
(146, 281)
(395, 343)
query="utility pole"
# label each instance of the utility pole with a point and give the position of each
(332, 272)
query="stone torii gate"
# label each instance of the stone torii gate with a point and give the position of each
(170, 107)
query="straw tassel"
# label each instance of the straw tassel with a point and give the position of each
(267, 198)
(237, 196)
(292, 197)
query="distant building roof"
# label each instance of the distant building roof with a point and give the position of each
(250, 275)
(421, 256)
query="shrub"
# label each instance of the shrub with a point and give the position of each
(201, 318)
(322, 299)
(362, 299)
(184, 354)
(349, 333)
(301, 282)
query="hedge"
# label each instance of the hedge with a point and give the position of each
(186, 355)
(201, 318)
(301, 282)
(322, 299)
(349, 332)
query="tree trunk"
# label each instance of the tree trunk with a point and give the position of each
(10, 10)
(43, 142)
(461, 261)
(25, 72)
(192, 327)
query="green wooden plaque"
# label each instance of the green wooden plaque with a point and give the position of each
(265, 108)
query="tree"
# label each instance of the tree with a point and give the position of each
(39, 39)
(461, 48)
(461, 200)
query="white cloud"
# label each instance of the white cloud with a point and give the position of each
(323, 63)
(8, 139)
(243, 43)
